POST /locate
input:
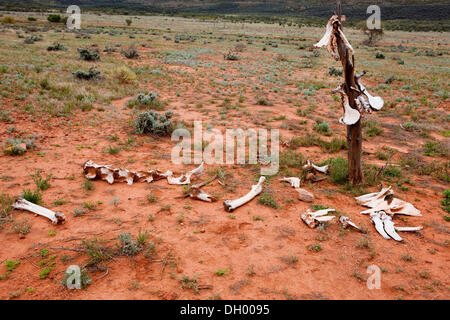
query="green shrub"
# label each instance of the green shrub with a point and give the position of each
(268, 199)
(56, 47)
(380, 55)
(91, 74)
(130, 52)
(128, 246)
(338, 169)
(332, 71)
(32, 196)
(322, 127)
(89, 55)
(446, 201)
(41, 183)
(154, 123)
(54, 18)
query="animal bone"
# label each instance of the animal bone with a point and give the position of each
(185, 178)
(371, 200)
(294, 181)
(303, 195)
(408, 229)
(375, 103)
(105, 172)
(196, 193)
(55, 217)
(309, 165)
(329, 38)
(363, 104)
(376, 219)
(389, 226)
(312, 219)
(346, 221)
(351, 116)
(230, 205)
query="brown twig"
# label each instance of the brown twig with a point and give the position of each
(380, 172)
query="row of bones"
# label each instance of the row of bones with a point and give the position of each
(382, 206)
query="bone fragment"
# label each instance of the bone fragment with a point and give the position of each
(54, 217)
(230, 205)
(312, 219)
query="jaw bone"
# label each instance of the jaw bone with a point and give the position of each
(185, 178)
(312, 219)
(55, 217)
(230, 205)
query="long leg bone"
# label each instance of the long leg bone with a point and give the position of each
(408, 229)
(55, 217)
(230, 205)
(312, 219)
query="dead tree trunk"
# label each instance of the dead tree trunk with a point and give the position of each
(354, 131)
(355, 98)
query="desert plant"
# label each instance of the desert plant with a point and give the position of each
(130, 52)
(56, 47)
(332, 71)
(32, 196)
(54, 18)
(128, 246)
(89, 55)
(124, 75)
(92, 73)
(154, 123)
(338, 170)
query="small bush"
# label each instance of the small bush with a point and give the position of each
(322, 127)
(9, 20)
(41, 183)
(380, 55)
(91, 74)
(125, 75)
(154, 123)
(54, 18)
(446, 201)
(56, 47)
(32, 19)
(268, 199)
(338, 170)
(130, 52)
(89, 55)
(128, 246)
(231, 55)
(332, 71)
(32, 196)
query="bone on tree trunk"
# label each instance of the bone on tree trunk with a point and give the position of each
(230, 205)
(55, 217)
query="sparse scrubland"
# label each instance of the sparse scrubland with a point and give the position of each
(114, 91)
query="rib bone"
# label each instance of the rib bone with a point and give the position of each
(55, 217)
(389, 226)
(230, 205)
(376, 219)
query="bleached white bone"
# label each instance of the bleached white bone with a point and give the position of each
(398, 206)
(408, 229)
(376, 219)
(376, 103)
(329, 39)
(363, 104)
(186, 177)
(347, 221)
(326, 37)
(351, 116)
(389, 226)
(373, 199)
(294, 181)
(309, 164)
(312, 219)
(230, 205)
(54, 217)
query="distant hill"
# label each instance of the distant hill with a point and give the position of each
(391, 9)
